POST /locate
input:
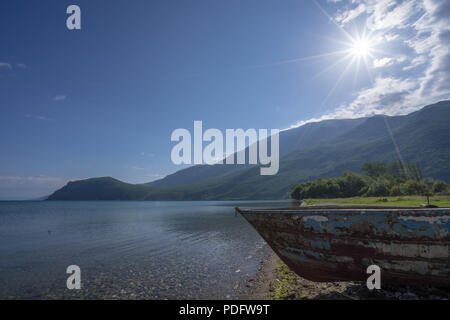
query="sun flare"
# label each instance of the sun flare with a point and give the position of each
(361, 48)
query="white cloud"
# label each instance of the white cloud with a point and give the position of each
(350, 15)
(38, 117)
(391, 36)
(59, 98)
(386, 96)
(415, 63)
(151, 154)
(384, 62)
(5, 66)
(386, 14)
(433, 37)
(390, 96)
(23, 179)
(154, 175)
(9, 66)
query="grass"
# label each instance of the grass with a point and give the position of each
(441, 201)
(289, 286)
(286, 279)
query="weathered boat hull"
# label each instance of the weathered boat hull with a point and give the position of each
(411, 246)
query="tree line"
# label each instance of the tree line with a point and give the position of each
(377, 179)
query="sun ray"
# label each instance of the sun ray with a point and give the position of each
(338, 41)
(347, 35)
(338, 81)
(295, 60)
(331, 66)
(358, 64)
(368, 70)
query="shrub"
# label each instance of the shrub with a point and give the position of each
(378, 188)
(412, 187)
(383, 179)
(351, 184)
(440, 186)
(395, 191)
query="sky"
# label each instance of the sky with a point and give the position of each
(104, 100)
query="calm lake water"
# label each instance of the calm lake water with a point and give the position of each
(128, 250)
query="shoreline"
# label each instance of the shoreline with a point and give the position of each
(274, 281)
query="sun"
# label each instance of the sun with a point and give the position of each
(361, 48)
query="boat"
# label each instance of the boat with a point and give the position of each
(336, 243)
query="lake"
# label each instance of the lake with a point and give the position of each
(129, 249)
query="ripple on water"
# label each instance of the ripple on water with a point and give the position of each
(126, 250)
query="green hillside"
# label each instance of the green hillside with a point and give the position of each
(323, 149)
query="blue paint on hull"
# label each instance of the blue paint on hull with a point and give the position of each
(409, 245)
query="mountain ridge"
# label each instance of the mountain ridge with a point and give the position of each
(314, 150)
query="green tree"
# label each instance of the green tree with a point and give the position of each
(412, 187)
(383, 179)
(351, 184)
(395, 191)
(440, 186)
(379, 187)
(374, 169)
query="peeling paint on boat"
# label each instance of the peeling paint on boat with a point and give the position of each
(430, 219)
(409, 245)
(315, 218)
(413, 250)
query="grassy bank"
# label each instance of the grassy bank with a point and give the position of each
(286, 285)
(286, 280)
(441, 201)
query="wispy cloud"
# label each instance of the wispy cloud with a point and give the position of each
(9, 66)
(349, 15)
(153, 176)
(23, 179)
(391, 37)
(137, 168)
(390, 96)
(415, 63)
(5, 66)
(147, 154)
(384, 62)
(59, 98)
(387, 61)
(389, 14)
(38, 117)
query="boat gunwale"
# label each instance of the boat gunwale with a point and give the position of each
(348, 210)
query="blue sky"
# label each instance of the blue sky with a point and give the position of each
(104, 100)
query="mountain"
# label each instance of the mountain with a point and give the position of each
(290, 140)
(322, 149)
(105, 188)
